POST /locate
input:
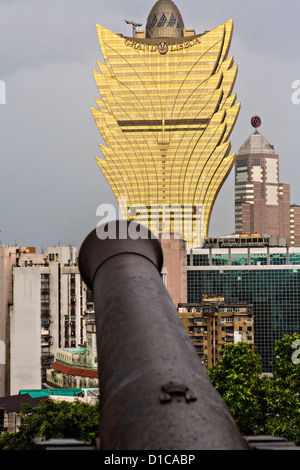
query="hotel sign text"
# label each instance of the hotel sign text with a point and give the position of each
(162, 47)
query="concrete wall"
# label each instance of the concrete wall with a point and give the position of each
(8, 256)
(26, 330)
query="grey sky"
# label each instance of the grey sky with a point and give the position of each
(50, 184)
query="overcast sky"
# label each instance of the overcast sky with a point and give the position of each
(50, 184)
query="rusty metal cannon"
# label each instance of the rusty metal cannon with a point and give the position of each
(154, 392)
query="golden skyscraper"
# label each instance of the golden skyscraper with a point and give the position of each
(165, 114)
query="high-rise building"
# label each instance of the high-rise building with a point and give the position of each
(166, 114)
(48, 301)
(255, 272)
(262, 203)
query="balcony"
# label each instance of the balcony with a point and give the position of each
(47, 359)
(198, 341)
(228, 338)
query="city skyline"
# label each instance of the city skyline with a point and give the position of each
(50, 185)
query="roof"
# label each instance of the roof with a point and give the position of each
(44, 392)
(75, 350)
(74, 371)
(89, 400)
(256, 143)
(14, 403)
(164, 20)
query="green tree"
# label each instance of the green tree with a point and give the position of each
(77, 420)
(237, 378)
(283, 396)
(287, 365)
(261, 404)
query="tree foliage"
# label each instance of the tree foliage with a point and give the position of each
(260, 403)
(77, 420)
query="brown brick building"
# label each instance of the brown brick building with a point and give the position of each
(262, 203)
(213, 323)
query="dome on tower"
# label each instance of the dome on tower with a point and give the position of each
(164, 20)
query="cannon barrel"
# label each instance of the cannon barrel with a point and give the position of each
(154, 392)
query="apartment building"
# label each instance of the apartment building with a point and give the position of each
(9, 257)
(48, 299)
(213, 324)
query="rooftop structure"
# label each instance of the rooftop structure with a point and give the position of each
(164, 20)
(243, 240)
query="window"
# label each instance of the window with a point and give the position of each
(277, 258)
(294, 258)
(201, 260)
(241, 162)
(162, 21)
(220, 260)
(172, 21)
(256, 161)
(258, 259)
(153, 22)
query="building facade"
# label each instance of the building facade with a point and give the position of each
(266, 277)
(77, 367)
(9, 257)
(262, 203)
(48, 301)
(213, 324)
(174, 272)
(295, 225)
(166, 114)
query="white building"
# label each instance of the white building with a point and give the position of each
(9, 256)
(48, 304)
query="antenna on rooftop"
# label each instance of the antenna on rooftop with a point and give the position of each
(134, 26)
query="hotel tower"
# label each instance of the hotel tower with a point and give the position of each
(165, 114)
(262, 203)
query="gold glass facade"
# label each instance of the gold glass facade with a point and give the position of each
(166, 113)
